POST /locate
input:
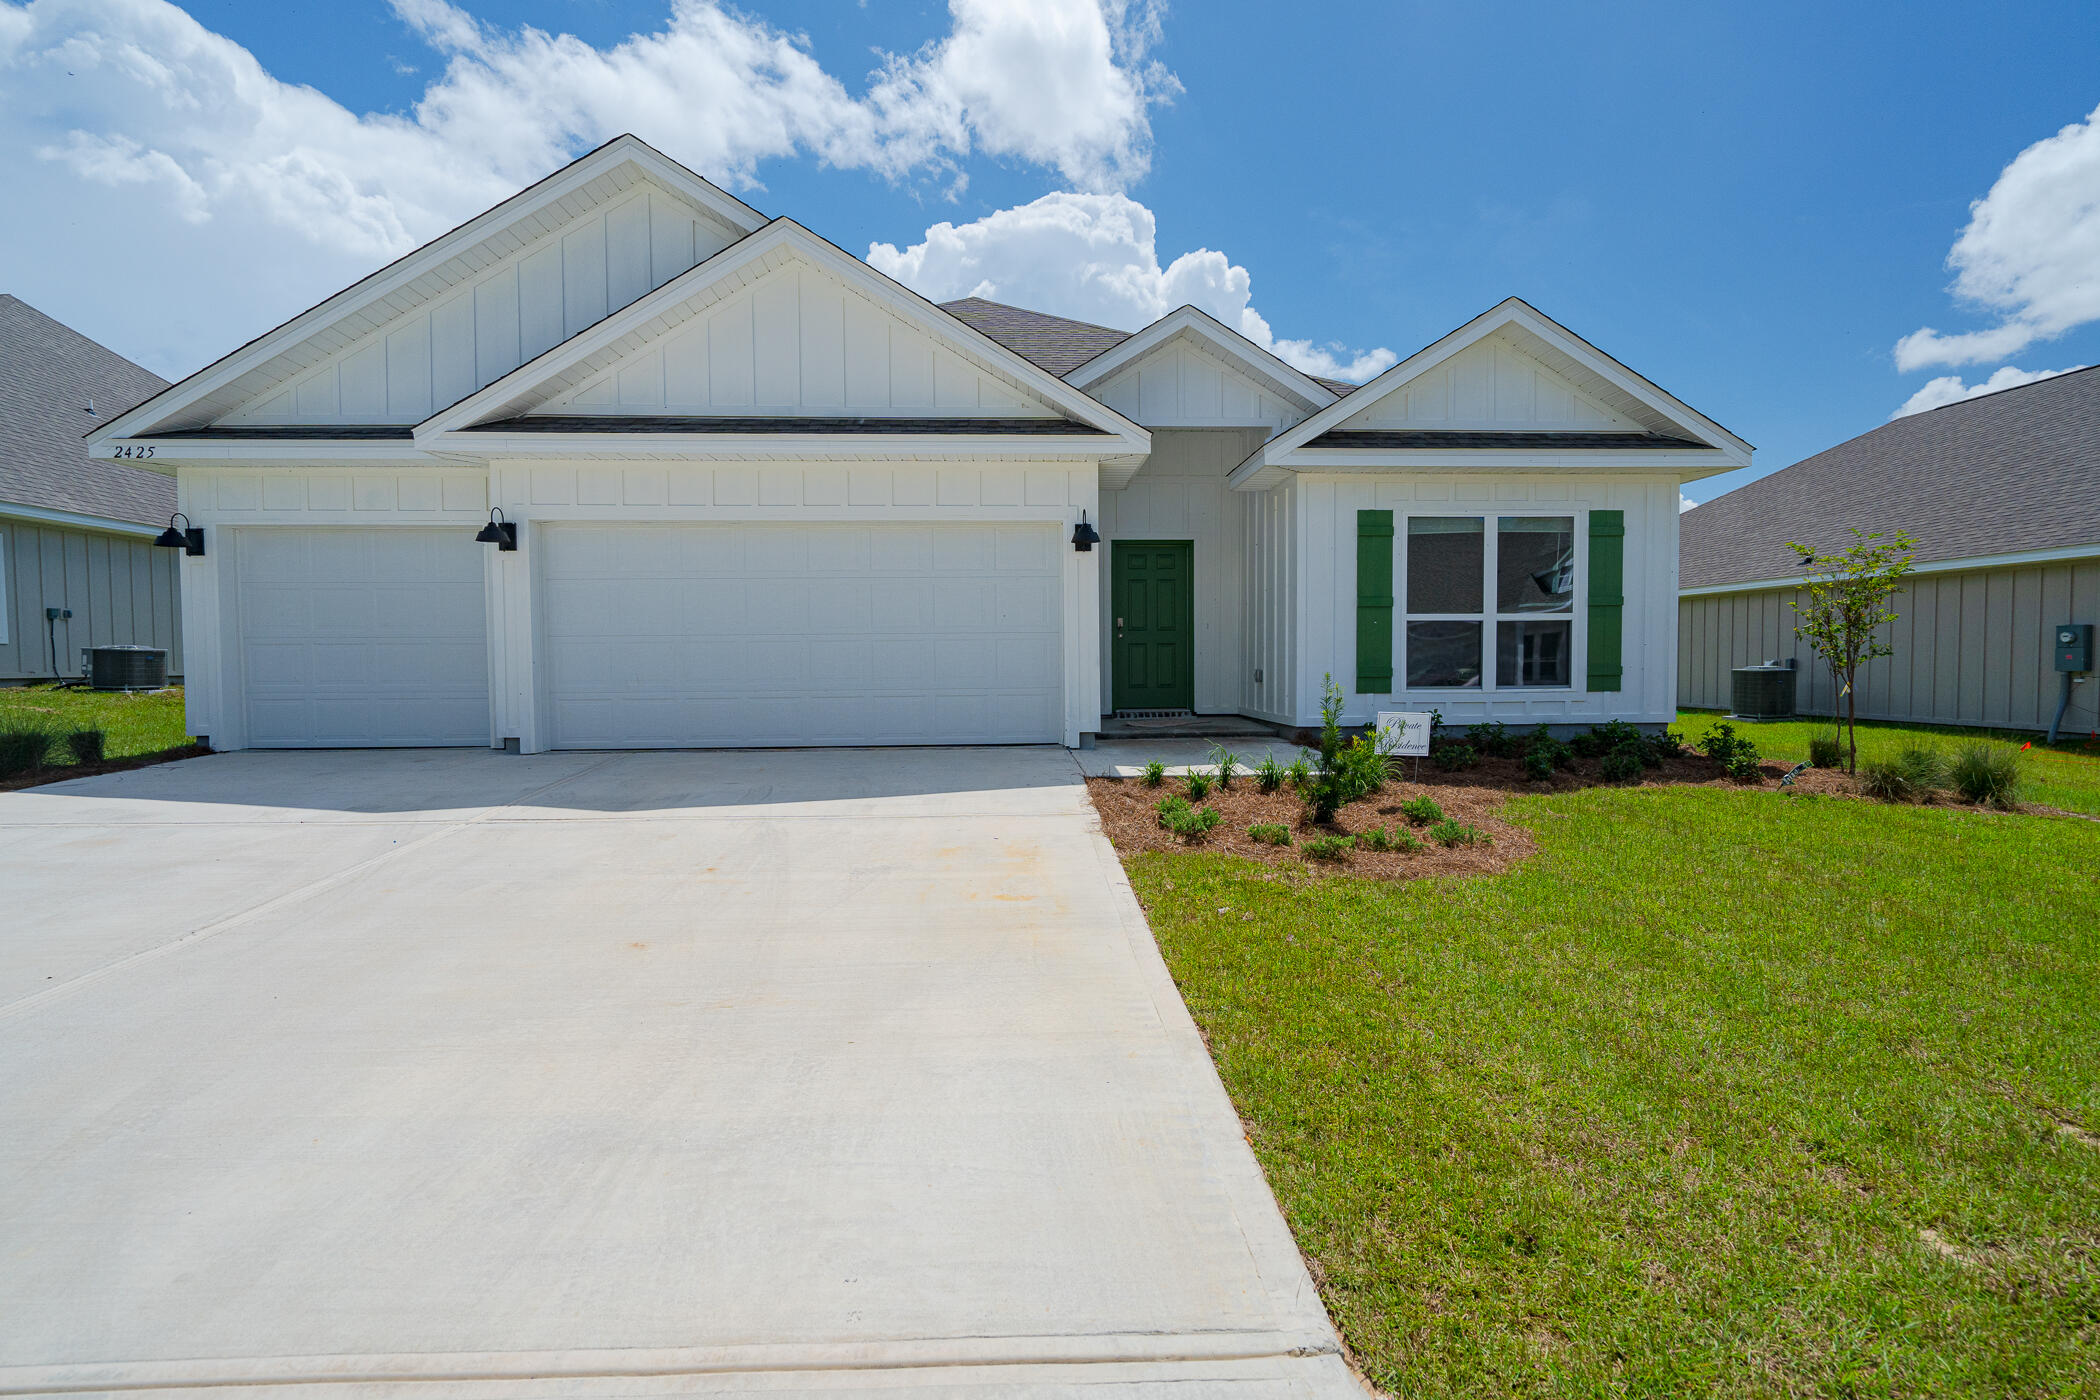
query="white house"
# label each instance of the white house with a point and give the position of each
(746, 490)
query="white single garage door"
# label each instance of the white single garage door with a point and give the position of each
(759, 634)
(371, 636)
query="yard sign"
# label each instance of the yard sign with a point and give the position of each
(1405, 731)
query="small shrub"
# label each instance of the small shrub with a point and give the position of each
(1925, 766)
(1494, 740)
(1298, 773)
(1453, 757)
(1886, 779)
(1189, 823)
(1330, 847)
(1736, 755)
(86, 745)
(1194, 823)
(1335, 777)
(1826, 749)
(1270, 833)
(1661, 746)
(1398, 839)
(1360, 769)
(1987, 773)
(24, 745)
(1154, 773)
(1604, 738)
(1625, 763)
(1197, 784)
(1269, 775)
(1537, 765)
(1226, 762)
(1421, 810)
(1452, 833)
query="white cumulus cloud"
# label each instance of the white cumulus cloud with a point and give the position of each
(1948, 388)
(2030, 254)
(1684, 503)
(1095, 257)
(170, 169)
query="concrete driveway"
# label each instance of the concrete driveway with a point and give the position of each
(453, 1072)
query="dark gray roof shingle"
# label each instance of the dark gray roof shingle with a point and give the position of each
(1056, 343)
(49, 373)
(2005, 473)
(1053, 343)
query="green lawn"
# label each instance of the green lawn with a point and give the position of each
(134, 724)
(1722, 1093)
(2066, 777)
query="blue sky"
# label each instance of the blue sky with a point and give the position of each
(1752, 206)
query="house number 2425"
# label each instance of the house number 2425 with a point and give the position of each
(128, 451)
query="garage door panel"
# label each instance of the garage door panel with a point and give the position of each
(905, 550)
(371, 636)
(801, 634)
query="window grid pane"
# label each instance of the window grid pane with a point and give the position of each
(1443, 655)
(1533, 653)
(1446, 555)
(1535, 564)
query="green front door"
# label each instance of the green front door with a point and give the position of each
(1152, 598)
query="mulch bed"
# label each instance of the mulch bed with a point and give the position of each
(1128, 817)
(65, 772)
(1474, 795)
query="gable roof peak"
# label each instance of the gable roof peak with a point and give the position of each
(219, 387)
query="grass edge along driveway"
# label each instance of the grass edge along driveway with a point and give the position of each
(1722, 1093)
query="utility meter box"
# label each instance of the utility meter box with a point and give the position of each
(2074, 646)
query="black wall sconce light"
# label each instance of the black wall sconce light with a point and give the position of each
(189, 539)
(1084, 536)
(498, 532)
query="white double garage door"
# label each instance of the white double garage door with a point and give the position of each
(661, 636)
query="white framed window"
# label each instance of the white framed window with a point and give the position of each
(1489, 601)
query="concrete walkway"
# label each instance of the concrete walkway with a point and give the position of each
(464, 1074)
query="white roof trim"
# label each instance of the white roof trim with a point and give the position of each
(506, 393)
(581, 171)
(1937, 566)
(1223, 341)
(1284, 452)
(77, 521)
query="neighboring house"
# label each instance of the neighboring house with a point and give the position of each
(2002, 495)
(76, 533)
(764, 495)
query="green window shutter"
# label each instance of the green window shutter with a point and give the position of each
(1374, 602)
(1607, 597)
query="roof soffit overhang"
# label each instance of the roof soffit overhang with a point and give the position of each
(1206, 332)
(564, 366)
(1537, 335)
(621, 161)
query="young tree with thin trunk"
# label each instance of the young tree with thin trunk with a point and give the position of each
(1846, 611)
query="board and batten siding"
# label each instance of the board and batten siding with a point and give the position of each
(1326, 581)
(796, 339)
(1180, 494)
(1267, 690)
(437, 353)
(120, 588)
(1971, 647)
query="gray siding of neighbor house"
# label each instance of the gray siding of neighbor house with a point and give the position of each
(1971, 648)
(120, 588)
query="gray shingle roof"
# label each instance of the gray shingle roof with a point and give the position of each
(2009, 472)
(1054, 343)
(49, 373)
(1057, 343)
